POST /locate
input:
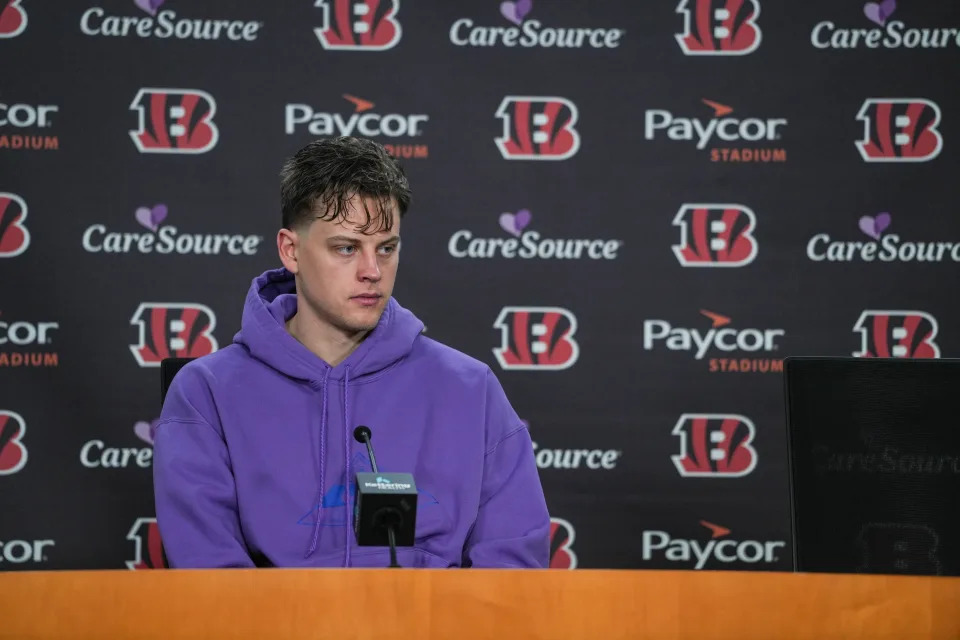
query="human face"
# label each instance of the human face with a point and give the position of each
(344, 276)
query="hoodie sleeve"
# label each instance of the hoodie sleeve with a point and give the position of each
(512, 529)
(194, 488)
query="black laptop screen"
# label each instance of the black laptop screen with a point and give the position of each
(875, 464)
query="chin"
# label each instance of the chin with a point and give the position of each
(364, 322)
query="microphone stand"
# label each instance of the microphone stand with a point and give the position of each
(391, 536)
(363, 435)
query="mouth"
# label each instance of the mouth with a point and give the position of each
(367, 299)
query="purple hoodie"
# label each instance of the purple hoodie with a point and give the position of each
(255, 446)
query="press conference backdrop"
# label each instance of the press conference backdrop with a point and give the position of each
(632, 211)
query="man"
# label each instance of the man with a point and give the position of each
(254, 455)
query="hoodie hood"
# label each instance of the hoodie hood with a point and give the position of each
(272, 300)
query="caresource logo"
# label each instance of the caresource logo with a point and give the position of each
(165, 24)
(14, 235)
(888, 34)
(166, 239)
(96, 454)
(762, 132)
(715, 235)
(715, 445)
(13, 18)
(594, 459)
(536, 339)
(885, 248)
(899, 130)
(530, 33)
(538, 128)
(717, 551)
(148, 552)
(719, 337)
(528, 244)
(719, 27)
(25, 343)
(301, 118)
(174, 121)
(562, 536)
(27, 120)
(887, 461)
(359, 25)
(897, 334)
(13, 451)
(172, 329)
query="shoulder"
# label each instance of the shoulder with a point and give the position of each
(444, 359)
(194, 384)
(465, 376)
(215, 366)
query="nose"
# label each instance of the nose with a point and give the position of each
(368, 269)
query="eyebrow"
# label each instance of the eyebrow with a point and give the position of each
(352, 240)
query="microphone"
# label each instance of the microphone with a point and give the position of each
(385, 512)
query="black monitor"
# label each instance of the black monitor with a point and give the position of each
(874, 464)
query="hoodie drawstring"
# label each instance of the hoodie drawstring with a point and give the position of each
(323, 455)
(347, 439)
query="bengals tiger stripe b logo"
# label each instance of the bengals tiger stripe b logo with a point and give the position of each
(715, 235)
(899, 130)
(537, 128)
(14, 235)
(149, 553)
(174, 121)
(715, 445)
(536, 338)
(173, 330)
(13, 451)
(719, 27)
(13, 18)
(359, 25)
(562, 535)
(897, 334)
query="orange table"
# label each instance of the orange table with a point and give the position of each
(423, 604)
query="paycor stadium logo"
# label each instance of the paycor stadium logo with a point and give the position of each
(27, 126)
(722, 550)
(396, 131)
(27, 343)
(727, 136)
(724, 346)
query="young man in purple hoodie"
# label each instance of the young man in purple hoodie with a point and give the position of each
(254, 454)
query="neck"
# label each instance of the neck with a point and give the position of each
(331, 344)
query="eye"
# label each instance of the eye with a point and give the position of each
(387, 249)
(346, 250)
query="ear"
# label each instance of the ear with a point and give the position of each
(288, 247)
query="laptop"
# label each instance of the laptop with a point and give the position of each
(874, 457)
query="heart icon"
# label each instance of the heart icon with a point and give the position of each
(150, 6)
(151, 218)
(515, 12)
(879, 12)
(875, 226)
(515, 223)
(145, 430)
